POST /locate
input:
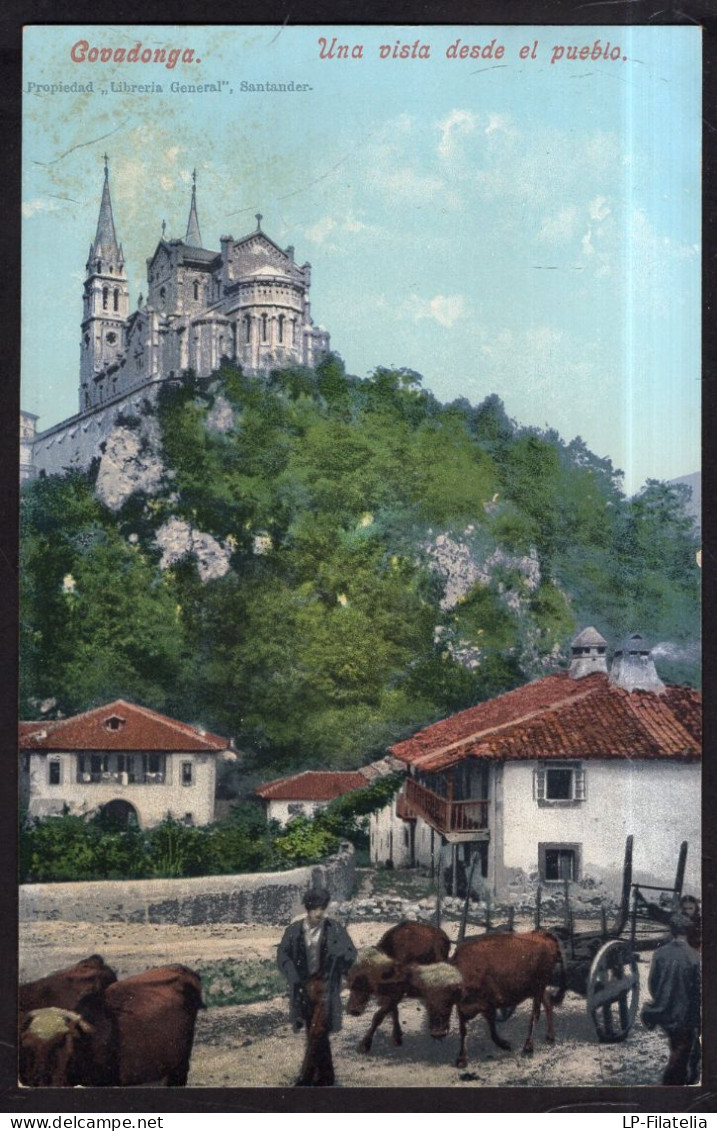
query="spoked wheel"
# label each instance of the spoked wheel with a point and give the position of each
(613, 991)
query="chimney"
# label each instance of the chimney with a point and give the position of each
(633, 668)
(588, 654)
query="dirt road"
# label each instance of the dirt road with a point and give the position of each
(253, 1045)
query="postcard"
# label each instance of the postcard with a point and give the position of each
(360, 557)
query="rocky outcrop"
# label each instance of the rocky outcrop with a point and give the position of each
(462, 568)
(176, 539)
(131, 461)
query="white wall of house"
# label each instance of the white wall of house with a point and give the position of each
(657, 802)
(283, 811)
(151, 801)
(389, 838)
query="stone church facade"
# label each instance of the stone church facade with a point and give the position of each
(248, 303)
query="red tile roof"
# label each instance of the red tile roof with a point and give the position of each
(312, 785)
(138, 729)
(558, 717)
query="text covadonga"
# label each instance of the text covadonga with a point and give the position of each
(458, 49)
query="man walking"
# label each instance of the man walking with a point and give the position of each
(674, 984)
(313, 955)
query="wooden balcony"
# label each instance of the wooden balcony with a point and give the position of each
(459, 820)
(404, 808)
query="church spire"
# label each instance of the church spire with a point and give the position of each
(105, 246)
(193, 237)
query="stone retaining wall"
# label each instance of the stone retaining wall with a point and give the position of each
(264, 897)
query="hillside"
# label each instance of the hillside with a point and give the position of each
(693, 501)
(318, 564)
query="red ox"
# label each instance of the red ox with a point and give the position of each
(382, 972)
(155, 1013)
(51, 1040)
(487, 974)
(137, 1031)
(64, 988)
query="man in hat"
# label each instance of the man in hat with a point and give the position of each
(313, 955)
(674, 984)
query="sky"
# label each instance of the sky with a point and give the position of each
(522, 226)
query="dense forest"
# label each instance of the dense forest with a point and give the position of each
(382, 560)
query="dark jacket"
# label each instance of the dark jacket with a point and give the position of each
(337, 955)
(674, 985)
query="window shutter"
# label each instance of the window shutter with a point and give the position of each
(539, 785)
(579, 783)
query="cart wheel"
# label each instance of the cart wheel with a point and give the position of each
(613, 991)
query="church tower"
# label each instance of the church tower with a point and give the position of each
(193, 237)
(106, 303)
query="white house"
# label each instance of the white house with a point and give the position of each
(132, 762)
(549, 780)
(307, 792)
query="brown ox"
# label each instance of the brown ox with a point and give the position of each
(155, 1013)
(51, 1044)
(64, 988)
(487, 974)
(137, 1031)
(381, 972)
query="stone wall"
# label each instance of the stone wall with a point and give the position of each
(75, 442)
(268, 897)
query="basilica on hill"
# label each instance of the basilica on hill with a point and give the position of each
(247, 302)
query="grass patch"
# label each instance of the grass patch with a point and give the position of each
(408, 883)
(229, 982)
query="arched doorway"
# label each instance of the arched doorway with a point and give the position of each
(121, 813)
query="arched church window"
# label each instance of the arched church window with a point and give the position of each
(105, 297)
(264, 321)
(112, 270)
(87, 340)
(281, 327)
(247, 328)
(163, 293)
(116, 298)
(196, 291)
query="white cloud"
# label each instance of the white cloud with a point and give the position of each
(326, 227)
(444, 309)
(598, 208)
(39, 204)
(319, 231)
(457, 124)
(353, 225)
(499, 123)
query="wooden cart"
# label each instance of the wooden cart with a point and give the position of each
(602, 965)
